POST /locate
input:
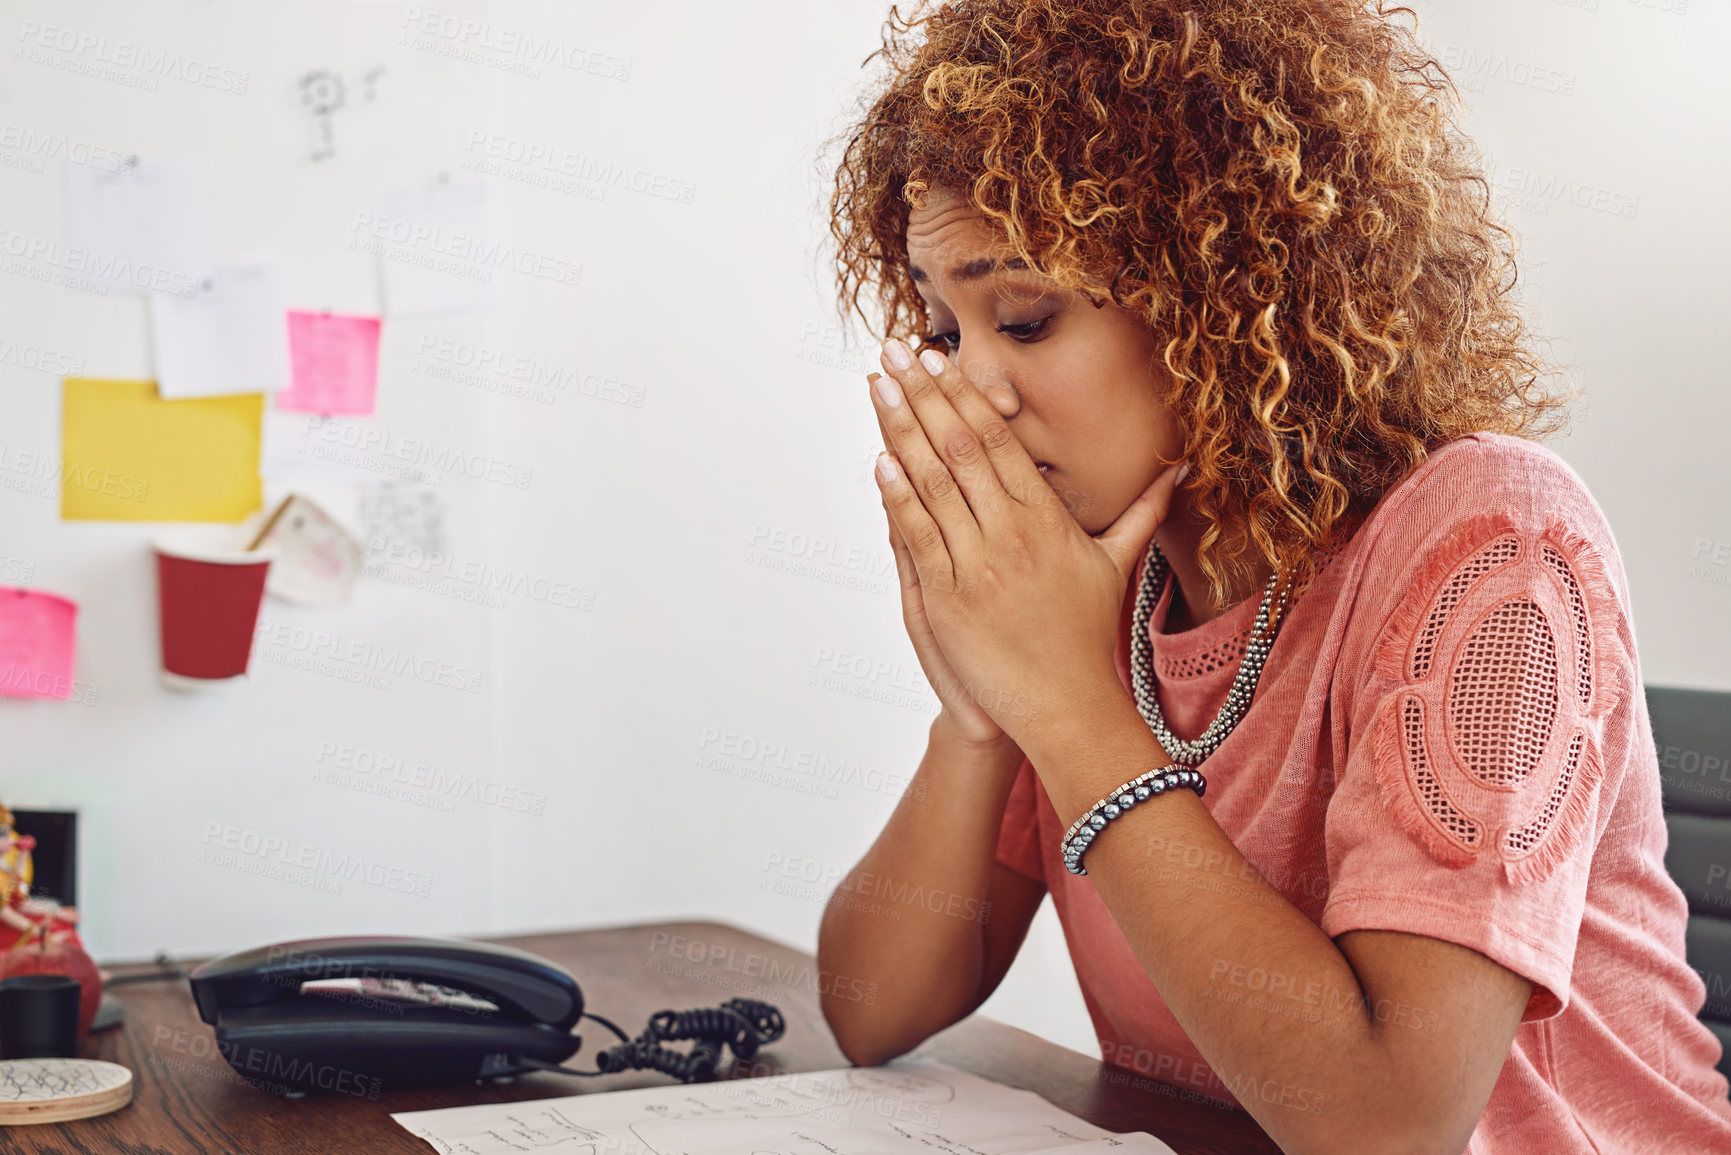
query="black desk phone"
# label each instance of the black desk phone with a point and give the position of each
(364, 1015)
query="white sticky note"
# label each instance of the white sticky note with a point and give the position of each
(231, 337)
(139, 229)
(438, 249)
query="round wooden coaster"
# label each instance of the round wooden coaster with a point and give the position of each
(55, 1090)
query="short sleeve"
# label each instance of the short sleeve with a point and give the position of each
(1474, 787)
(1019, 834)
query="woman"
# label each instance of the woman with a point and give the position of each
(1222, 357)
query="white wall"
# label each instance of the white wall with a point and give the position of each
(754, 425)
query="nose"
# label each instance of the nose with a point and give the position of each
(991, 381)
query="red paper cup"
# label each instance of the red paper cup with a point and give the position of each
(209, 588)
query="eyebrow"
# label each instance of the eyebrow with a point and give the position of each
(974, 270)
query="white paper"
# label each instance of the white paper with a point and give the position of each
(435, 247)
(232, 337)
(397, 515)
(910, 1105)
(302, 448)
(139, 229)
(317, 561)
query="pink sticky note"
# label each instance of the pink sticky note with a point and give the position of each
(36, 632)
(333, 363)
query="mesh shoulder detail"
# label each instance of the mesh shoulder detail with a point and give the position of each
(1505, 657)
(1407, 779)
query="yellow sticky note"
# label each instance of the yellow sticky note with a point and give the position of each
(128, 455)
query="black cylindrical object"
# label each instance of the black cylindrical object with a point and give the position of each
(39, 1017)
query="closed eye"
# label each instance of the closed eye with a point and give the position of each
(1027, 333)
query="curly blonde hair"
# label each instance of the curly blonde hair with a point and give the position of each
(1276, 187)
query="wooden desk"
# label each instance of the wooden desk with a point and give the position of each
(188, 1099)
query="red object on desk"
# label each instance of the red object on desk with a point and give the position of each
(189, 1101)
(54, 949)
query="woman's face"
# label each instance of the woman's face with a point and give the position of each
(1080, 387)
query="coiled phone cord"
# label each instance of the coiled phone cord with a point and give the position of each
(742, 1025)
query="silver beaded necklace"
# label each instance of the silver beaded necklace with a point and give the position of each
(1155, 571)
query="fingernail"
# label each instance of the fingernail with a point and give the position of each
(886, 387)
(886, 467)
(1182, 470)
(897, 353)
(933, 361)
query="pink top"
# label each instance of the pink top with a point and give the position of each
(1450, 739)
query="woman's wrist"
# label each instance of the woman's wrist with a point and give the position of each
(996, 753)
(1093, 754)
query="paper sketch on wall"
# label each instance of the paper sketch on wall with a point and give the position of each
(324, 94)
(403, 515)
(317, 558)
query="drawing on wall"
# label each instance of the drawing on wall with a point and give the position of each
(324, 94)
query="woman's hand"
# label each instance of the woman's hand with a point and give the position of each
(966, 720)
(1022, 603)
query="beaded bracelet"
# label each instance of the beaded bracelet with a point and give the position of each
(1085, 829)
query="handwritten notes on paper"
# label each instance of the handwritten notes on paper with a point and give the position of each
(128, 455)
(912, 1105)
(396, 513)
(333, 362)
(36, 643)
(231, 336)
(138, 227)
(317, 559)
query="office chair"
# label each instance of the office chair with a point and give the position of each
(1692, 731)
